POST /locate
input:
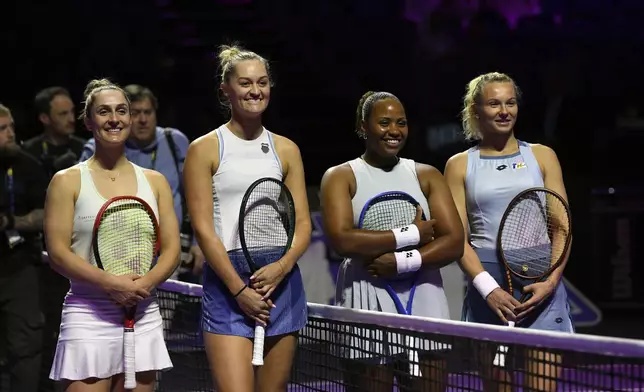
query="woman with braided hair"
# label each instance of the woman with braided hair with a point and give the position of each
(371, 256)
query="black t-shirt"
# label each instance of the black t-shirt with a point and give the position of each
(54, 158)
(29, 191)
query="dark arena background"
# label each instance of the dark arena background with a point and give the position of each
(578, 63)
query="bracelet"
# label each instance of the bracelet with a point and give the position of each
(408, 261)
(406, 236)
(485, 284)
(240, 291)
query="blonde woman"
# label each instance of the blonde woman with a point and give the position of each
(219, 168)
(483, 180)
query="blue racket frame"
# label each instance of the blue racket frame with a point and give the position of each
(395, 195)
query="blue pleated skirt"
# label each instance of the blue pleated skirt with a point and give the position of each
(222, 315)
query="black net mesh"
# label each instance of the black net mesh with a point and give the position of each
(348, 350)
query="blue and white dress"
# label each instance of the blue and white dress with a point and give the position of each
(491, 183)
(242, 162)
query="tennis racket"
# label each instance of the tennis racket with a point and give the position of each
(125, 240)
(388, 211)
(534, 238)
(266, 229)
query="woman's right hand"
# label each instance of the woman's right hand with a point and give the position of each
(253, 306)
(503, 304)
(124, 291)
(425, 227)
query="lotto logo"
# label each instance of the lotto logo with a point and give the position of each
(404, 229)
(409, 254)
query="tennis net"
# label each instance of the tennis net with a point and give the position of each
(345, 350)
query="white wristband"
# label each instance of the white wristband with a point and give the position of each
(485, 284)
(408, 261)
(406, 236)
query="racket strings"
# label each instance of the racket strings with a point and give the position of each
(268, 217)
(126, 238)
(534, 233)
(388, 215)
(388, 212)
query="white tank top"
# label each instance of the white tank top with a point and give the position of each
(241, 162)
(88, 204)
(430, 299)
(371, 181)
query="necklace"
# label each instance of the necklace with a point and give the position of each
(363, 156)
(109, 173)
(110, 176)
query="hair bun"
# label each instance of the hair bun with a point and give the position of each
(228, 52)
(94, 84)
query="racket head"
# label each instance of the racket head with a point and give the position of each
(388, 211)
(125, 228)
(534, 233)
(266, 221)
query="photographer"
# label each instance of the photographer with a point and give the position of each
(22, 197)
(56, 148)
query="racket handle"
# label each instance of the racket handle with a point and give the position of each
(258, 345)
(499, 358)
(412, 355)
(128, 359)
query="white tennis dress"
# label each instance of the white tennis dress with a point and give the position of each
(356, 289)
(90, 343)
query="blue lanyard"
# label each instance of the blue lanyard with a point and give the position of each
(9, 182)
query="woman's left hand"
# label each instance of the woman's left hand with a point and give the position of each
(540, 292)
(267, 278)
(383, 267)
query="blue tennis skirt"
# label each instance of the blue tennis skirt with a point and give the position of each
(222, 315)
(552, 315)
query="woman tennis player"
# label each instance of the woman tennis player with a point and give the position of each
(220, 166)
(89, 354)
(483, 181)
(370, 255)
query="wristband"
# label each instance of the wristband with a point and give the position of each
(408, 261)
(406, 236)
(485, 284)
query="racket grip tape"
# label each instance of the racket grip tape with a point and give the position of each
(258, 345)
(499, 358)
(128, 359)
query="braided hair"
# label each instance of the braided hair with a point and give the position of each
(365, 106)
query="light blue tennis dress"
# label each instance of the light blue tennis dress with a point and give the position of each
(491, 183)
